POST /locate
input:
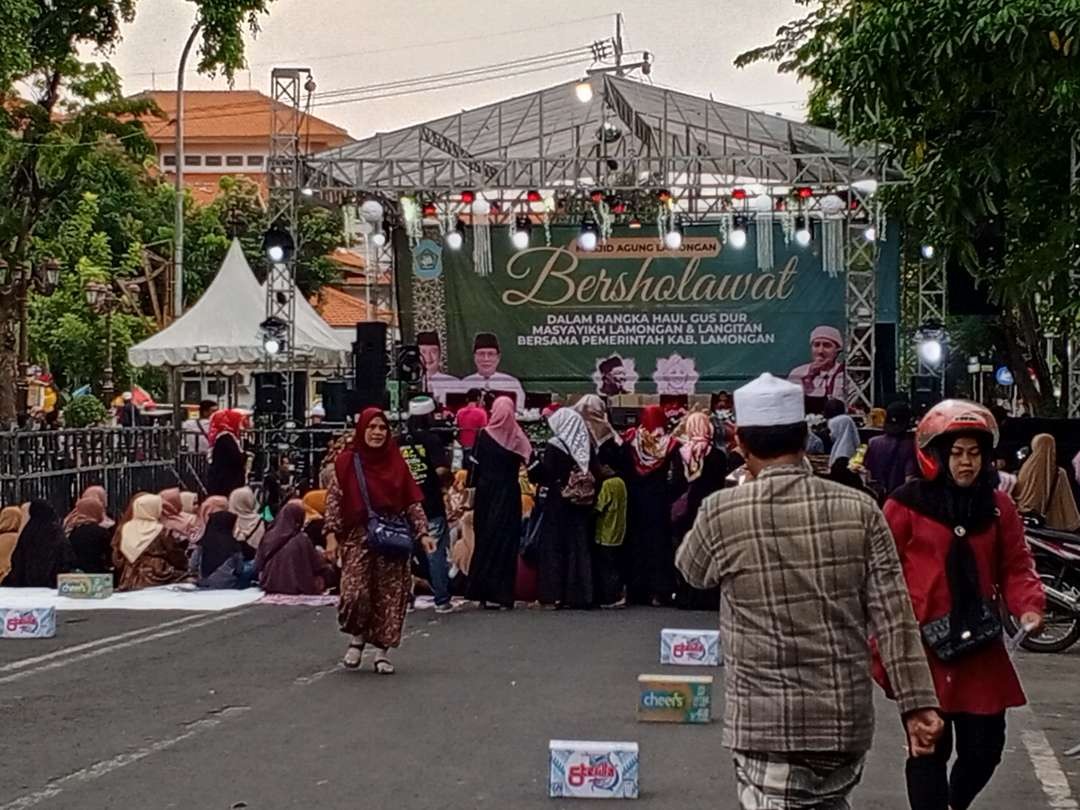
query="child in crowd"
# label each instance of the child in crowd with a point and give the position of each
(610, 513)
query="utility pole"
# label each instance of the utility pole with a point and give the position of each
(618, 45)
(178, 221)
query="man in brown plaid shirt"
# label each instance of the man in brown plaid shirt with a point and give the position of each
(808, 570)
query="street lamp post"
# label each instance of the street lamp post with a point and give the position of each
(103, 301)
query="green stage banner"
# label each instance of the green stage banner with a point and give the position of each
(634, 317)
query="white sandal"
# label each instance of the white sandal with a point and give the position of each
(383, 665)
(353, 655)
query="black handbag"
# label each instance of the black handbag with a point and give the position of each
(389, 535)
(938, 633)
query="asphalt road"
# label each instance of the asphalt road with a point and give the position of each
(249, 708)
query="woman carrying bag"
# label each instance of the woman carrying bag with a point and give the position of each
(373, 509)
(961, 544)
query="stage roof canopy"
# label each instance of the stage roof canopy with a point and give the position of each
(223, 329)
(629, 134)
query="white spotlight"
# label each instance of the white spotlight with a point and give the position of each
(931, 352)
(737, 238)
(673, 240)
(307, 191)
(870, 234)
(520, 239)
(803, 237)
(379, 239)
(587, 240)
(271, 345)
(584, 92)
(454, 240)
(275, 253)
(928, 252)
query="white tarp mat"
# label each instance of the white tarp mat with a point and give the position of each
(167, 597)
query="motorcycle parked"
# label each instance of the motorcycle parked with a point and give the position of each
(1057, 562)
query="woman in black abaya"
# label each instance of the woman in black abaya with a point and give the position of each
(500, 450)
(653, 482)
(564, 546)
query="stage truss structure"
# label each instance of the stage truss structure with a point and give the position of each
(632, 140)
(283, 179)
(932, 307)
(1073, 348)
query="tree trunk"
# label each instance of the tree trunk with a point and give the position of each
(1018, 361)
(8, 359)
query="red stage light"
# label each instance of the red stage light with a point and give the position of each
(738, 194)
(804, 192)
(533, 196)
(468, 197)
(429, 209)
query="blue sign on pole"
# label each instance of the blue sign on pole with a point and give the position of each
(1004, 376)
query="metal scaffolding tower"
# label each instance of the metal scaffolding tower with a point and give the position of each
(284, 178)
(1073, 349)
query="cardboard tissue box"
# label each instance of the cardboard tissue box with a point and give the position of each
(593, 770)
(675, 698)
(85, 586)
(27, 622)
(690, 648)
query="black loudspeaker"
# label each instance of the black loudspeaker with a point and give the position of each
(925, 393)
(370, 364)
(335, 400)
(884, 362)
(270, 394)
(369, 355)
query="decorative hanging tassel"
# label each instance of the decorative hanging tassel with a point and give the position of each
(832, 245)
(725, 226)
(481, 210)
(411, 216)
(763, 231)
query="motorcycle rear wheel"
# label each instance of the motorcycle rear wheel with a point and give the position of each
(1061, 629)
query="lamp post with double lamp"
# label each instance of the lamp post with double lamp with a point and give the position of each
(44, 276)
(103, 301)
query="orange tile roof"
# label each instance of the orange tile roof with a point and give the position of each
(204, 186)
(341, 310)
(229, 115)
(346, 258)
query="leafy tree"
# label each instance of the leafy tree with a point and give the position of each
(238, 211)
(84, 411)
(72, 108)
(978, 101)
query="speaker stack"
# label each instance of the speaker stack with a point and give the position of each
(370, 367)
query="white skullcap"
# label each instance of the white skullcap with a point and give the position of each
(768, 402)
(421, 406)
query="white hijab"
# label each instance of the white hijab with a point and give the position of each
(845, 437)
(571, 435)
(144, 526)
(250, 527)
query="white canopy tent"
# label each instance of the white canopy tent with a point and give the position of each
(222, 329)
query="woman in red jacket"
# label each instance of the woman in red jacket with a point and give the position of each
(960, 543)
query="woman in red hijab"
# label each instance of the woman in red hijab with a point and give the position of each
(375, 587)
(228, 466)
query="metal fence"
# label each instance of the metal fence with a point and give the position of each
(57, 466)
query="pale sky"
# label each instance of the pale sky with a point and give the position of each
(348, 43)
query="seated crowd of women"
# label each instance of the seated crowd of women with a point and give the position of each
(168, 538)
